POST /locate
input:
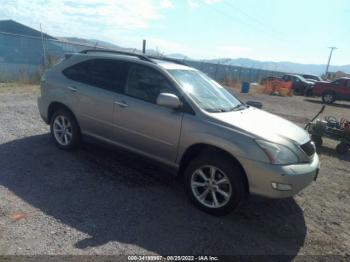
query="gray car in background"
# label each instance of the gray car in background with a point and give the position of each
(177, 116)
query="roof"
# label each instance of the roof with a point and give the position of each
(171, 65)
(164, 62)
(13, 27)
(309, 75)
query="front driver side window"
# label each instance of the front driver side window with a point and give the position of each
(146, 84)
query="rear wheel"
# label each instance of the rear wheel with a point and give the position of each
(308, 92)
(328, 97)
(342, 148)
(65, 130)
(214, 184)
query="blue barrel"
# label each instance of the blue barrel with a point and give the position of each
(245, 87)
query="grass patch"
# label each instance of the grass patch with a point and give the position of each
(19, 87)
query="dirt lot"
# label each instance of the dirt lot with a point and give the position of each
(101, 200)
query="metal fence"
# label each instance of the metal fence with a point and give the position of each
(26, 57)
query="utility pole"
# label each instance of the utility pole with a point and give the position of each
(329, 58)
(43, 44)
(144, 46)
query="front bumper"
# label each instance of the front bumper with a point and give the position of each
(261, 177)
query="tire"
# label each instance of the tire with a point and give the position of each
(72, 137)
(342, 148)
(328, 97)
(308, 92)
(233, 186)
(317, 140)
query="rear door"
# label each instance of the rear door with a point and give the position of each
(347, 90)
(140, 123)
(340, 88)
(96, 82)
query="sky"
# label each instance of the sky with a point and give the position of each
(269, 30)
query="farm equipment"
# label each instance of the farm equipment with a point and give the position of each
(331, 128)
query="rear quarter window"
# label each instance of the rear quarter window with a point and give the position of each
(106, 74)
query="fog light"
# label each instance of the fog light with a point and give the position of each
(281, 187)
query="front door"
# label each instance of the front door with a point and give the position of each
(140, 123)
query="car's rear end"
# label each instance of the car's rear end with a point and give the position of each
(319, 88)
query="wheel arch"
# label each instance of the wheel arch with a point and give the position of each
(329, 91)
(54, 106)
(200, 148)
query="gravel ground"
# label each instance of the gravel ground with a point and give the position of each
(101, 200)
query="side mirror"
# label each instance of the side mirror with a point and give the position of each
(168, 100)
(254, 104)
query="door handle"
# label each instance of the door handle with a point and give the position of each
(121, 104)
(72, 88)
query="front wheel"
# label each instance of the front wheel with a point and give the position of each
(214, 184)
(65, 130)
(328, 97)
(308, 92)
(342, 148)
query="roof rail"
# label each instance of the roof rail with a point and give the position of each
(167, 59)
(141, 57)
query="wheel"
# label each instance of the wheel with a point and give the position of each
(342, 148)
(317, 140)
(308, 92)
(65, 130)
(296, 92)
(328, 97)
(214, 184)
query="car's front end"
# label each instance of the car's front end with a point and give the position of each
(280, 180)
(277, 156)
(284, 159)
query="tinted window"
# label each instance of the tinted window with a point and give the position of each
(286, 78)
(146, 84)
(339, 82)
(103, 73)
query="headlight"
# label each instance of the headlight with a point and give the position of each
(278, 154)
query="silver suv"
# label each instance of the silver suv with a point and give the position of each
(178, 116)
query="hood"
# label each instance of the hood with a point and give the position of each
(262, 124)
(310, 82)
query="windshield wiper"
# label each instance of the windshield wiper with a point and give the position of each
(238, 107)
(235, 108)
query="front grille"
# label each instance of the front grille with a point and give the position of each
(309, 148)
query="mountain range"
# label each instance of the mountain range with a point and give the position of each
(283, 66)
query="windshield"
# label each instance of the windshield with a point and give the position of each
(208, 94)
(317, 78)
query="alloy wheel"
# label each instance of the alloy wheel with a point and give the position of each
(62, 130)
(328, 98)
(211, 187)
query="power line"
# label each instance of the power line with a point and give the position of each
(248, 22)
(251, 17)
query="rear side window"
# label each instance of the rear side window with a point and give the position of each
(102, 73)
(339, 82)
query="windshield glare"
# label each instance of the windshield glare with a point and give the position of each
(208, 94)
